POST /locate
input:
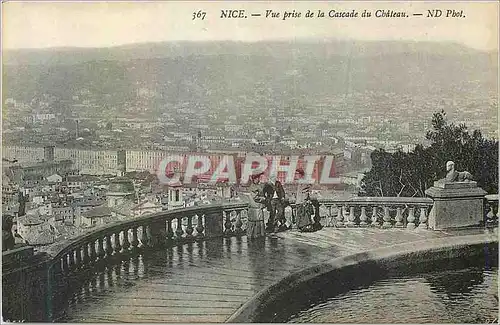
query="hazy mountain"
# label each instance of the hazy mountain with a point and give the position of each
(209, 71)
(274, 49)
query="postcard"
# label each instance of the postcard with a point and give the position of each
(250, 161)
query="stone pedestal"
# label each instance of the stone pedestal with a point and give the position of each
(456, 204)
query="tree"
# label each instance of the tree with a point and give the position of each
(410, 174)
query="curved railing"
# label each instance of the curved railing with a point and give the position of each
(128, 237)
(196, 223)
(491, 209)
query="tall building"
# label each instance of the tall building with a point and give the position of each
(121, 161)
(23, 154)
(43, 169)
(48, 153)
(95, 162)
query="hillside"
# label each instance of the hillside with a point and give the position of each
(209, 72)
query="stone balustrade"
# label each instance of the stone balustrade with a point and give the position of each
(382, 212)
(15, 257)
(130, 237)
(491, 209)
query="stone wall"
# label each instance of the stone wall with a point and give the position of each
(25, 294)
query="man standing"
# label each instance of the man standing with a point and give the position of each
(317, 218)
(279, 198)
(275, 197)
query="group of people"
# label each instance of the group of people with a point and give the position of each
(271, 196)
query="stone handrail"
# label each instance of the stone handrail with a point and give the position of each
(491, 208)
(16, 256)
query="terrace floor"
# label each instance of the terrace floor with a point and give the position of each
(209, 281)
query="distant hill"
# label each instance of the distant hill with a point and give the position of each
(277, 49)
(210, 71)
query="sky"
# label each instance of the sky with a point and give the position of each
(104, 24)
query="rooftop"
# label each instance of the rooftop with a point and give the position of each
(101, 211)
(121, 185)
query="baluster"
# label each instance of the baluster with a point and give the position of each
(399, 218)
(349, 216)
(92, 252)
(287, 212)
(179, 232)
(189, 228)
(340, 217)
(323, 214)
(145, 237)
(244, 216)
(411, 219)
(228, 225)
(118, 246)
(490, 215)
(423, 218)
(100, 249)
(352, 217)
(126, 243)
(78, 258)
(345, 215)
(85, 258)
(65, 267)
(71, 260)
(57, 268)
(170, 231)
(363, 217)
(330, 218)
(199, 226)
(238, 223)
(375, 217)
(387, 218)
(157, 233)
(109, 247)
(135, 240)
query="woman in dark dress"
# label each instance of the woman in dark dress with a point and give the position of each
(305, 209)
(255, 228)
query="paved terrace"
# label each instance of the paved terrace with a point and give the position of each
(208, 282)
(196, 265)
